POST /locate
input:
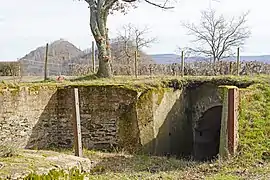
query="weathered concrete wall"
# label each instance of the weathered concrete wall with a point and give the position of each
(36, 117)
(163, 124)
(203, 98)
(156, 120)
(41, 118)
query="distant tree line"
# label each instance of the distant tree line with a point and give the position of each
(9, 68)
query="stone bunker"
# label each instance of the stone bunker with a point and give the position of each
(184, 121)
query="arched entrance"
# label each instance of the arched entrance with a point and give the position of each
(207, 134)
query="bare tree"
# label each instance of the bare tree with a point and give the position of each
(132, 38)
(99, 11)
(216, 37)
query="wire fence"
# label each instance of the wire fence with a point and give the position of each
(26, 67)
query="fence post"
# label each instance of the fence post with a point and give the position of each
(238, 61)
(77, 124)
(46, 63)
(182, 64)
(136, 64)
(230, 69)
(93, 57)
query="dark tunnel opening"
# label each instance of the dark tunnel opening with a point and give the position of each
(207, 135)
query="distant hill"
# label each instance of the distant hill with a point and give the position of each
(174, 58)
(63, 54)
(58, 51)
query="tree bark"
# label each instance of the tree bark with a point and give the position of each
(98, 22)
(104, 57)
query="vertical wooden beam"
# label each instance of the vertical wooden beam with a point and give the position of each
(232, 119)
(77, 125)
(93, 57)
(46, 63)
(238, 61)
(182, 63)
(136, 64)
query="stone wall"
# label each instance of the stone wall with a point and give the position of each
(21, 109)
(155, 120)
(41, 118)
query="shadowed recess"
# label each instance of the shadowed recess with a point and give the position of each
(207, 134)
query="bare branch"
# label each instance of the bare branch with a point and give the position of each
(217, 36)
(160, 6)
(132, 38)
(99, 11)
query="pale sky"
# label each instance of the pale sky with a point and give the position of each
(27, 24)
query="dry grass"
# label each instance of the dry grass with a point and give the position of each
(107, 166)
(125, 166)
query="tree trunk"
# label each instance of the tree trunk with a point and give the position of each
(104, 55)
(98, 21)
(104, 69)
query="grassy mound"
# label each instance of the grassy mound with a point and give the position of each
(254, 123)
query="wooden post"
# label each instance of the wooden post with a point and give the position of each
(238, 61)
(93, 57)
(230, 68)
(46, 63)
(77, 124)
(232, 120)
(182, 64)
(136, 64)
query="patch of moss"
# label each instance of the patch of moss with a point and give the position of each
(145, 98)
(160, 94)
